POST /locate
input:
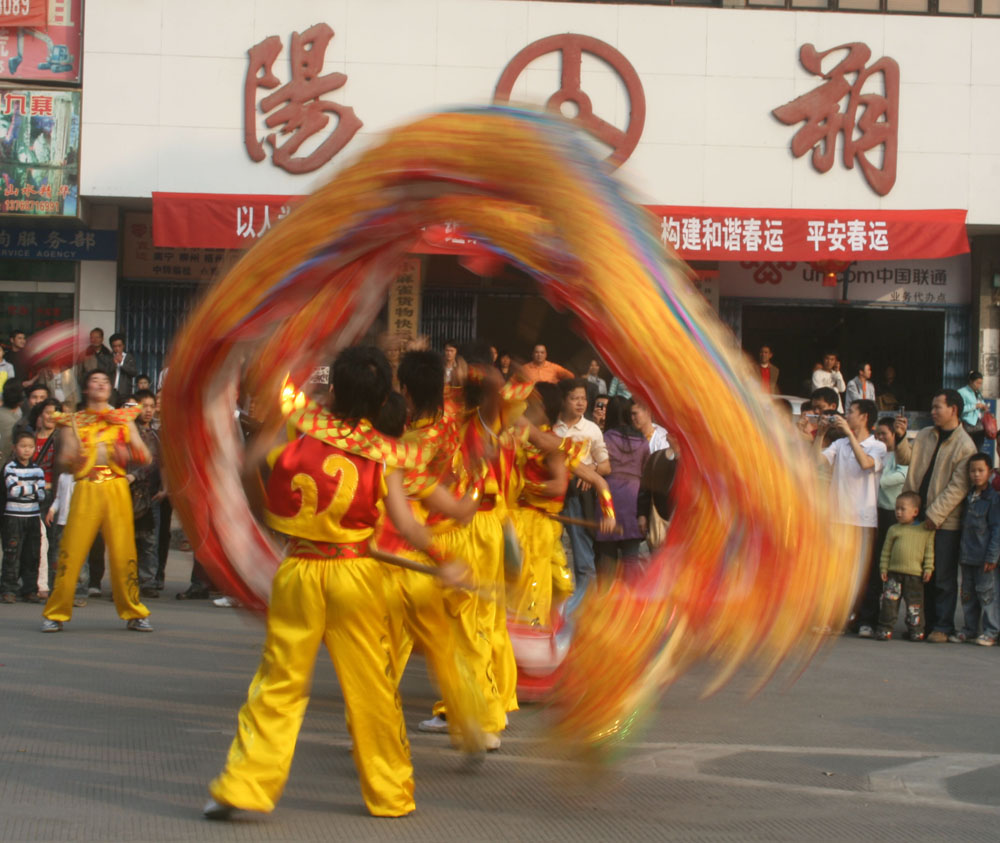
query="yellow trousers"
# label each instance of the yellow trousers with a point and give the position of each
(104, 507)
(483, 617)
(340, 602)
(418, 615)
(530, 599)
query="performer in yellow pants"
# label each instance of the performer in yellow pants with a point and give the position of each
(325, 491)
(101, 502)
(337, 602)
(97, 445)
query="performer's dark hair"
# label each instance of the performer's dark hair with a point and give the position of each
(476, 353)
(422, 373)
(362, 379)
(551, 400)
(91, 374)
(391, 418)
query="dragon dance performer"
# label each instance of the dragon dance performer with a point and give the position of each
(325, 493)
(418, 612)
(490, 414)
(105, 440)
(546, 465)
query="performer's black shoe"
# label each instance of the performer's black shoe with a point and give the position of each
(214, 810)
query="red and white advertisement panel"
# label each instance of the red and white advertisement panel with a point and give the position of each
(754, 234)
(231, 221)
(49, 50)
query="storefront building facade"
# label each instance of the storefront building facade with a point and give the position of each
(832, 176)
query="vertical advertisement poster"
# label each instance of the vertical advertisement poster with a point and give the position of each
(49, 48)
(39, 152)
(404, 300)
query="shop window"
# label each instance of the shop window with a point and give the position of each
(991, 8)
(30, 312)
(15, 270)
(860, 5)
(149, 314)
(956, 7)
(911, 6)
(810, 4)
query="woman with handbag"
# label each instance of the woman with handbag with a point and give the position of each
(974, 416)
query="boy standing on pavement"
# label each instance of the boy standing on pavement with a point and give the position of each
(980, 549)
(22, 525)
(907, 562)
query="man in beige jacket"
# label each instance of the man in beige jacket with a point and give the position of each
(939, 472)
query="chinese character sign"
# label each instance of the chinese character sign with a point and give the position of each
(863, 118)
(742, 234)
(297, 108)
(39, 151)
(404, 300)
(143, 260)
(48, 48)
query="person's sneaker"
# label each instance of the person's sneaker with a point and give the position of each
(51, 626)
(882, 635)
(491, 740)
(918, 636)
(149, 591)
(956, 638)
(437, 725)
(140, 625)
(93, 592)
(79, 602)
(8, 598)
(193, 593)
(215, 810)
(226, 602)
(937, 637)
(865, 631)
(985, 641)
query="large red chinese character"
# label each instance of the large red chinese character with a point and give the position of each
(877, 125)
(297, 105)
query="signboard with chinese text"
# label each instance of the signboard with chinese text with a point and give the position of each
(404, 299)
(909, 283)
(39, 152)
(781, 234)
(143, 261)
(205, 221)
(57, 244)
(49, 49)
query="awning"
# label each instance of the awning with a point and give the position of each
(236, 221)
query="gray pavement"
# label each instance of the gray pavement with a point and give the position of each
(110, 735)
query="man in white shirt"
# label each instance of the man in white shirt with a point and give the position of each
(829, 375)
(580, 496)
(857, 460)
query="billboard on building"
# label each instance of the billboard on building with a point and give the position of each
(50, 52)
(39, 152)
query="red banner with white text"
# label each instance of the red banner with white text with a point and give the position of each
(235, 221)
(24, 12)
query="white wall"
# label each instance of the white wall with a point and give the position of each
(164, 88)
